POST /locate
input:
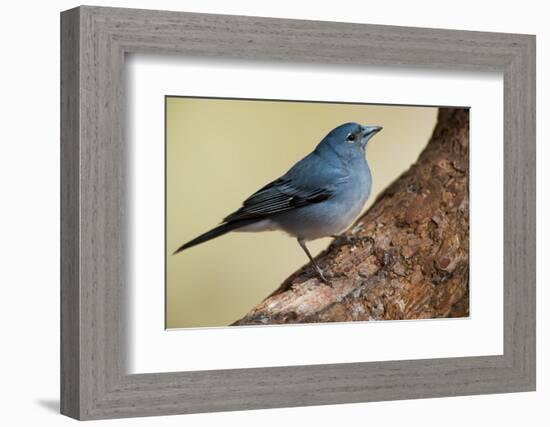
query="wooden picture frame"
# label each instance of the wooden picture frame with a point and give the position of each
(94, 382)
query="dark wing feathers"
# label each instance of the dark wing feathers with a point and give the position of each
(277, 196)
(311, 180)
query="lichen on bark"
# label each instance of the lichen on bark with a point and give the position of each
(407, 257)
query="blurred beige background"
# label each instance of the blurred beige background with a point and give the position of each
(218, 152)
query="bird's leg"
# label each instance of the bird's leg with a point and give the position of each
(319, 271)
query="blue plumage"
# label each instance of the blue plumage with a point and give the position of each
(319, 196)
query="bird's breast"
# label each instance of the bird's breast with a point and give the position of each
(354, 197)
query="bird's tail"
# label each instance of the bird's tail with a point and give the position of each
(220, 230)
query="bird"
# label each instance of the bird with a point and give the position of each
(320, 196)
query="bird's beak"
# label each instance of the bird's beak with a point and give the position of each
(369, 131)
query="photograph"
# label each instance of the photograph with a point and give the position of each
(280, 210)
(298, 211)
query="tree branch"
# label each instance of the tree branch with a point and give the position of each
(407, 256)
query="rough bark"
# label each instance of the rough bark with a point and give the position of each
(407, 256)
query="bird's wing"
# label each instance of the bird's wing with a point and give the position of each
(309, 181)
(278, 196)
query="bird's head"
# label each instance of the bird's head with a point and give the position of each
(350, 138)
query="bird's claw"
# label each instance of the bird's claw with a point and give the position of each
(322, 277)
(344, 239)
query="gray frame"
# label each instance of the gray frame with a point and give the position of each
(94, 383)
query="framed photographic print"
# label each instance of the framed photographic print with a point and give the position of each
(262, 213)
(267, 136)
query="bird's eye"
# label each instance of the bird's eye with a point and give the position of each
(350, 137)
